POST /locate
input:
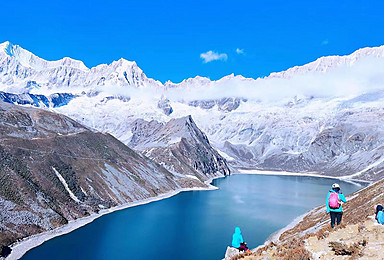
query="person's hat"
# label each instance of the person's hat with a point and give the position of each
(335, 185)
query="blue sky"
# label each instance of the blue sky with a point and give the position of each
(168, 39)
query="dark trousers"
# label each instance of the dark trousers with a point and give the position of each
(336, 216)
(243, 247)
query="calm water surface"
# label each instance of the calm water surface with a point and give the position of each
(195, 224)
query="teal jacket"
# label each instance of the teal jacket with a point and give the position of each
(341, 197)
(237, 238)
(380, 217)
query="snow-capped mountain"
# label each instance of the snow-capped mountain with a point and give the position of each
(325, 116)
(29, 60)
(180, 146)
(326, 64)
(21, 71)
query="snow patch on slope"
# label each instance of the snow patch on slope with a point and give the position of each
(62, 180)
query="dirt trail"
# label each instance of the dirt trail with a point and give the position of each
(364, 241)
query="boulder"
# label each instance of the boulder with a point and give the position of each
(231, 252)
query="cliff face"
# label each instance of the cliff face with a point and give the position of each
(54, 170)
(349, 144)
(180, 146)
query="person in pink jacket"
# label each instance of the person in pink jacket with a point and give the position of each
(335, 199)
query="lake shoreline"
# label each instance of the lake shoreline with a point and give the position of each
(274, 237)
(284, 173)
(20, 248)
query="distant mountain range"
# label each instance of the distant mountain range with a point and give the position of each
(324, 117)
(22, 71)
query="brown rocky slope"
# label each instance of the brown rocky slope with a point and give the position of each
(53, 170)
(180, 146)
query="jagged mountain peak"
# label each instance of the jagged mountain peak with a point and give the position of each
(185, 127)
(125, 64)
(187, 120)
(4, 45)
(29, 60)
(20, 69)
(7, 47)
(198, 80)
(171, 132)
(179, 145)
(327, 63)
(66, 61)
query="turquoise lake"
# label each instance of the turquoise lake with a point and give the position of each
(195, 224)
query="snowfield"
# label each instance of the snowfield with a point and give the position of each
(324, 117)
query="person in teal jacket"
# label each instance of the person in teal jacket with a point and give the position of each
(238, 241)
(336, 213)
(379, 214)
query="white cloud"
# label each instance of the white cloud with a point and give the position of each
(363, 76)
(325, 42)
(239, 51)
(211, 56)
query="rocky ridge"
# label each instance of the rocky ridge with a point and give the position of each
(347, 143)
(180, 146)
